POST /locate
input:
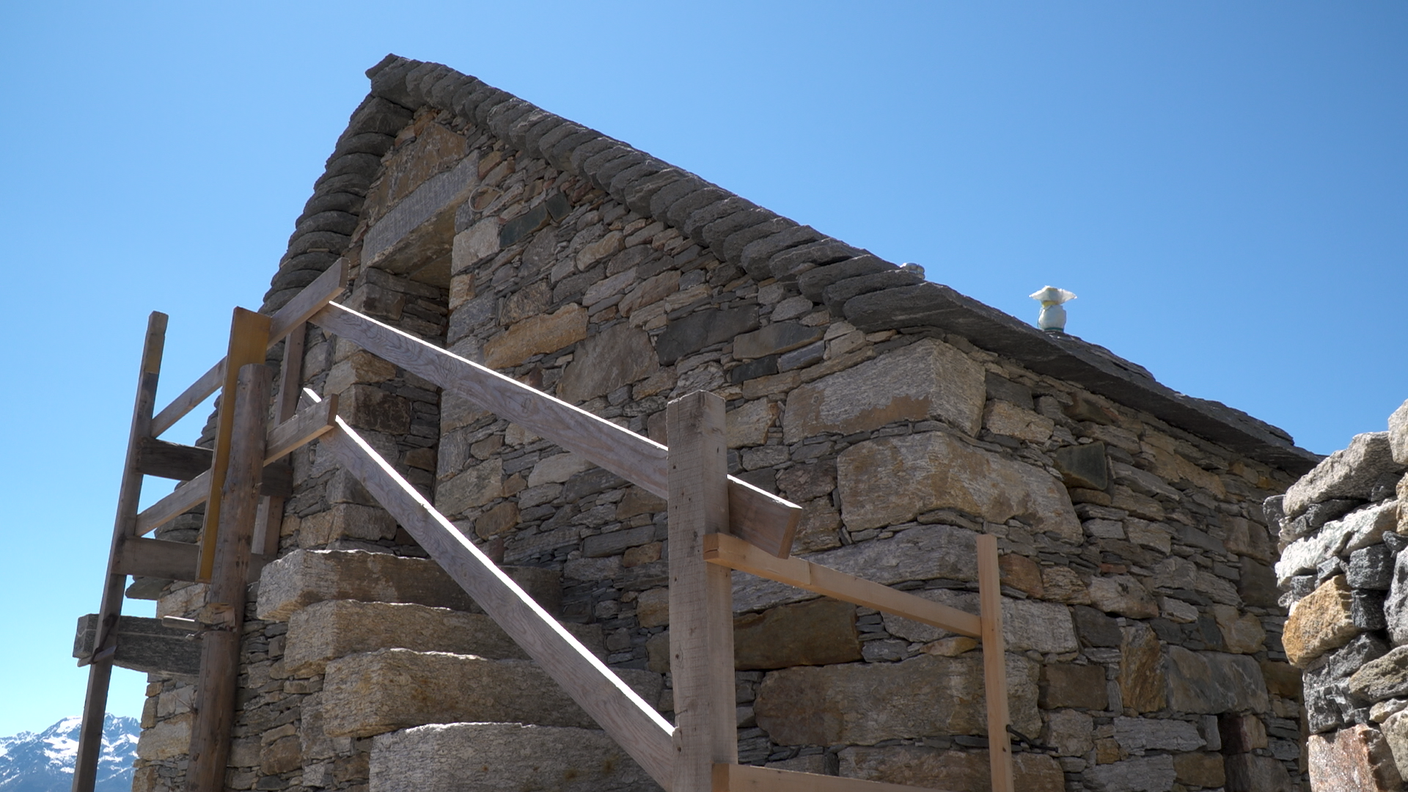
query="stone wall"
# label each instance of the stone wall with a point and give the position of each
(1140, 606)
(1345, 579)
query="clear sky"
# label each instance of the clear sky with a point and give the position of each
(1224, 185)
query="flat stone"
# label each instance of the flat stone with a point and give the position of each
(1009, 420)
(378, 692)
(1093, 627)
(820, 632)
(488, 757)
(1242, 633)
(1213, 682)
(1070, 732)
(864, 703)
(955, 771)
(1315, 516)
(1200, 769)
(558, 468)
(701, 329)
(919, 553)
(1395, 731)
(1140, 774)
(536, 335)
(1142, 679)
(167, 739)
(927, 379)
(1137, 735)
(616, 356)
(304, 577)
(1083, 466)
(1350, 472)
(1070, 685)
(774, 339)
(1319, 622)
(1398, 434)
(748, 423)
(813, 283)
(1382, 678)
(1124, 595)
(1253, 773)
(470, 488)
(1357, 759)
(893, 479)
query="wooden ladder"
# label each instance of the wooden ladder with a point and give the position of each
(242, 484)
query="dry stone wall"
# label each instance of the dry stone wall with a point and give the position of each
(1345, 579)
(1140, 606)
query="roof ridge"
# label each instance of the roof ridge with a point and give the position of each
(854, 284)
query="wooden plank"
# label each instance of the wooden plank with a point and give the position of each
(269, 524)
(326, 288)
(143, 644)
(90, 735)
(181, 500)
(171, 460)
(730, 552)
(745, 778)
(159, 559)
(249, 339)
(701, 594)
(757, 516)
(214, 704)
(632, 722)
(304, 427)
(994, 664)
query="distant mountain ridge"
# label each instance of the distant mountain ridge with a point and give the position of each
(43, 762)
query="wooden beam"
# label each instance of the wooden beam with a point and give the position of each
(631, 721)
(326, 288)
(90, 735)
(158, 559)
(994, 665)
(276, 481)
(249, 339)
(757, 516)
(730, 552)
(171, 460)
(271, 510)
(701, 594)
(745, 778)
(142, 644)
(220, 650)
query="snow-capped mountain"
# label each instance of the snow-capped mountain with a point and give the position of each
(43, 762)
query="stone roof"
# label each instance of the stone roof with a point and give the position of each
(866, 291)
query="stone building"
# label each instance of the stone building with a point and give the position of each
(1141, 610)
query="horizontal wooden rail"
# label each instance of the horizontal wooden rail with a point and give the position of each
(745, 778)
(631, 721)
(730, 552)
(166, 560)
(314, 296)
(305, 426)
(758, 516)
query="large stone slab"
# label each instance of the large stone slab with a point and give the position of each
(536, 335)
(1139, 774)
(1357, 759)
(927, 379)
(1045, 627)
(619, 355)
(893, 479)
(923, 552)
(491, 757)
(865, 703)
(954, 771)
(325, 631)
(1348, 473)
(1319, 622)
(1210, 683)
(391, 689)
(820, 632)
(1137, 735)
(700, 329)
(304, 577)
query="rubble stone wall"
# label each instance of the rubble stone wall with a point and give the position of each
(1344, 577)
(1140, 605)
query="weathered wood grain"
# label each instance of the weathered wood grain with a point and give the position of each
(757, 516)
(729, 552)
(632, 722)
(994, 664)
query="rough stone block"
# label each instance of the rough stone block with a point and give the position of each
(1357, 759)
(1395, 731)
(328, 630)
(1124, 595)
(1200, 769)
(489, 757)
(1350, 472)
(1139, 774)
(1137, 735)
(927, 379)
(1044, 627)
(1213, 682)
(774, 339)
(536, 335)
(304, 577)
(701, 329)
(1398, 434)
(1084, 466)
(619, 355)
(390, 689)
(1320, 622)
(1328, 702)
(891, 480)
(1253, 773)
(862, 704)
(1009, 420)
(1142, 679)
(1068, 685)
(960, 771)
(820, 632)
(1381, 678)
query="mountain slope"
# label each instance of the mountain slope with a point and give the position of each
(43, 762)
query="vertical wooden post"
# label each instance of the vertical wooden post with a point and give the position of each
(271, 508)
(994, 664)
(225, 599)
(701, 594)
(249, 339)
(95, 703)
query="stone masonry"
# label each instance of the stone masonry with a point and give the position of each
(1145, 636)
(1344, 576)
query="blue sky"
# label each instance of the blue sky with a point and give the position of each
(1224, 185)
